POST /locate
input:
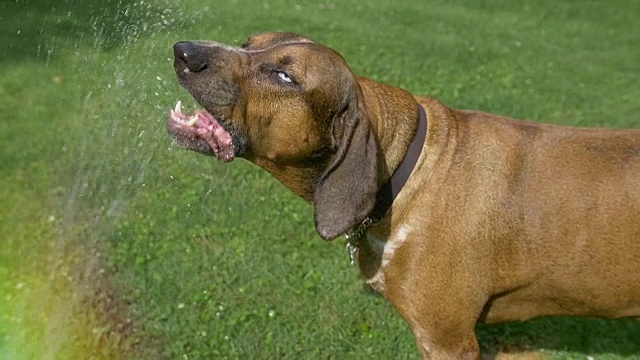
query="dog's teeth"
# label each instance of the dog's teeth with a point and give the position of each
(178, 108)
(192, 120)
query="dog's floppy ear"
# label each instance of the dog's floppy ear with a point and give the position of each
(346, 192)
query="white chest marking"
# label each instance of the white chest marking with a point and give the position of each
(388, 249)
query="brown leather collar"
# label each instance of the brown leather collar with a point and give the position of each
(389, 191)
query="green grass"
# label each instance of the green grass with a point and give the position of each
(116, 245)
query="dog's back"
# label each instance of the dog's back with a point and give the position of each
(569, 206)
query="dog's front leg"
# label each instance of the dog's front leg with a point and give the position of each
(442, 332)
(441, 305)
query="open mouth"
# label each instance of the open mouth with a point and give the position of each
(200, 132)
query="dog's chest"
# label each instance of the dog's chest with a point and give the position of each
(378, 253)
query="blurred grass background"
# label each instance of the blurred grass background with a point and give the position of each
(116, 245)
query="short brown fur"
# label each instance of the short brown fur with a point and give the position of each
(501, 219)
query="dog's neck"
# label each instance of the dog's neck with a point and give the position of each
(393, 116)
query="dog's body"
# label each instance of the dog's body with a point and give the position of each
(500, 219)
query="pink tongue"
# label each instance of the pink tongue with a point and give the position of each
(216, 136)
(223, 137)
(207, 135)
(204, 118)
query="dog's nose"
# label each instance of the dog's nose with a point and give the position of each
(190, 55)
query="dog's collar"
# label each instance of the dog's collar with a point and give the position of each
(390, 190)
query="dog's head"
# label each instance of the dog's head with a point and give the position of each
(290, 105)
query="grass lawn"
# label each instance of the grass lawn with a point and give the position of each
(117, 245)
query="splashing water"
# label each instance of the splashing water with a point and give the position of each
(58, 297)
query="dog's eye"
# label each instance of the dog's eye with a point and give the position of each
(284, 77)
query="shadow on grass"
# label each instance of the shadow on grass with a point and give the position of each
(589, 336)
(35, 29)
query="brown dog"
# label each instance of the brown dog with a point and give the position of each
(499, 220)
